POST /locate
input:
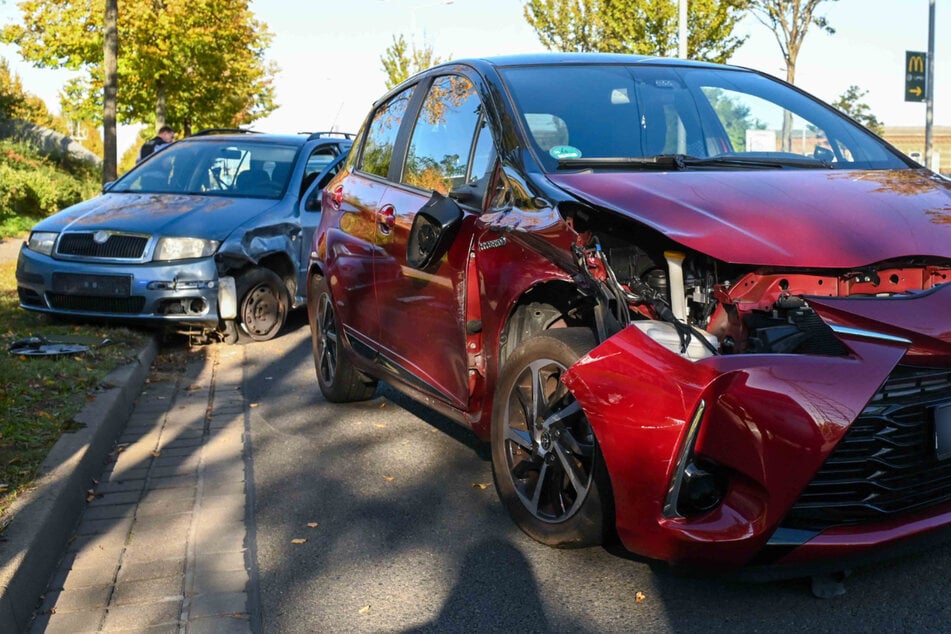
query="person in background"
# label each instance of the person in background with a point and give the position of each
(165, 136)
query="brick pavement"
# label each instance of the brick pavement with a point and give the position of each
(162, 545)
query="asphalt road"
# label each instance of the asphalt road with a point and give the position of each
(410, 537)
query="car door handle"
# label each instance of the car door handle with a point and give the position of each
(386, 219)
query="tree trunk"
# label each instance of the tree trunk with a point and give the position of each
(110, 91)
(787, 116)
(160, 104)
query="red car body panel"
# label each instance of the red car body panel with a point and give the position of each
(771, 419)
(923, 320)
(865, 541)
(723, 214)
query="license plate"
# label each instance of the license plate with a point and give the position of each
(942, 430)
(95, 285)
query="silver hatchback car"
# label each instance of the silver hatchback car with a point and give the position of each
(210, 236)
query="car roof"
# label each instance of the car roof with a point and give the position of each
(251, 136)
(563, 59)
(482, 64)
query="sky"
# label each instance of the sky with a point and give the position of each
(328, 53)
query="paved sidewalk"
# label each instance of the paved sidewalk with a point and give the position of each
(162, 545)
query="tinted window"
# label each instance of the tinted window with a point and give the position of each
(642, 111)
(381, 135)
(439, 152)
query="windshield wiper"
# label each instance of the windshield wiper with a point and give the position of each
(685, 161)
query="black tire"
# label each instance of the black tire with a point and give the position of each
(262, 304)
(339, 381)
(549, 473)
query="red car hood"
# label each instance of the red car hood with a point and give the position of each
(797, 218)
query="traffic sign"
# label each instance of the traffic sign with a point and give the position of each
(916, 85)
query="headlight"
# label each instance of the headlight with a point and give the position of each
(41, 242)
(184, 248)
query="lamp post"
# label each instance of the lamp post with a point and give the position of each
(929, 87)
(413, 10)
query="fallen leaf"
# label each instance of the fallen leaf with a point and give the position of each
(299, 540)
(640, 596)
(388, 478)
(382, 405)
(480, 485)
(253, 404)
(379, 425)
(365, 609)
(312, 524)
(192, 387)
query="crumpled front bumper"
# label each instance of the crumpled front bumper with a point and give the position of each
(184, 293)
(768, 422)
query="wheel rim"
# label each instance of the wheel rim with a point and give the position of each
(549, 446)
(326, 340)
(262, 312)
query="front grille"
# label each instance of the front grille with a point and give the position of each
(117, 245)
(886, 464)
(93, 304)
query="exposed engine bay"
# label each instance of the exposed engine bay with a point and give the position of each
(698, 306)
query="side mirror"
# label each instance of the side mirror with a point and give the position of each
(107, 186)
(432, 230)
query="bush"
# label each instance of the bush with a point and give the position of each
(33, 187)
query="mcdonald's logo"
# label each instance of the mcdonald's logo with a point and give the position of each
(916, 76)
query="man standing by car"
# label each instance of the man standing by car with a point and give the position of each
(165, 136)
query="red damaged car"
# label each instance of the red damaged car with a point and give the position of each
(688, 304)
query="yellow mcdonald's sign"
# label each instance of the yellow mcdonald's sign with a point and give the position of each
(916, 64)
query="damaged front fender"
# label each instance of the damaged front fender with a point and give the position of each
(767, 423)
(249, 247)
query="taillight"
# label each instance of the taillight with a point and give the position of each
(336, 197)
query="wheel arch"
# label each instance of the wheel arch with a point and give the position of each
(554, 303)
(550, 304)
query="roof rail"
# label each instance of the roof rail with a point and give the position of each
(320, 135)
(208, 131)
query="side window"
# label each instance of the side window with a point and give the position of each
(381, 136)
(316, 162)
(440, 154)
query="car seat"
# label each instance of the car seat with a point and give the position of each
(253, 181)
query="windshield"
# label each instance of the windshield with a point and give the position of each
(221, 168)
(574, 113)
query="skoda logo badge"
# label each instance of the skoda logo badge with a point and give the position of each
(100, 237)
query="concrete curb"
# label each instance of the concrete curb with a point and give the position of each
(44, 518)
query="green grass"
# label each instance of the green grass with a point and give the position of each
(39, 396)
